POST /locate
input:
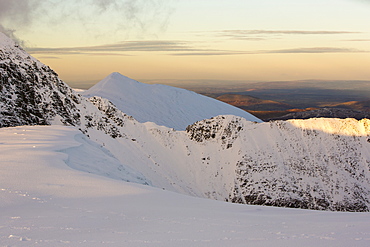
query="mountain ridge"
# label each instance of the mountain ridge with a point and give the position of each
(165, 105)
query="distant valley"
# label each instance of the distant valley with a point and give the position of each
(274, 110)
(287, 99)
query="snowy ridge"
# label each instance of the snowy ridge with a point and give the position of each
(316, 164)
(164, 105)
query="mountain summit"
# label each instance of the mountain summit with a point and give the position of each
(164, 105)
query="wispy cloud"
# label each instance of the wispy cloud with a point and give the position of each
(316, 50)
(357, 40)
(49, 57)
(300, 32)
(126, 16)
(20, 11)
(123, 48)
(210, 53)
(173, 48)
(268, 34)
(308, 50)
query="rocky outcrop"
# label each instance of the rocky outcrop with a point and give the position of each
(225, 128)
(32, 94)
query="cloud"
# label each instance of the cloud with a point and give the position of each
(356, 40)
(121, 48)
(142, 17)
(8, 32)
(210, 53)
(300, 32)
(20, 11)
(315, 50)
(49, 57)
(265, 34)
(174, 48)
(16, 13)
(312, 50)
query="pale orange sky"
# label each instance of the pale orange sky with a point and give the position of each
(259, 67)
(178, 39)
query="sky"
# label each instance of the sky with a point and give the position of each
(251, 40)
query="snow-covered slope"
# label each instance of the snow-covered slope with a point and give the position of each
(43, 202)
(316, 164)
(164, 105)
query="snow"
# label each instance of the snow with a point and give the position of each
(164, 105)
(45, 202)
(9, 49)
(79, 90)
(301, 163)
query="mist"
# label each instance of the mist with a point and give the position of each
(128, 18)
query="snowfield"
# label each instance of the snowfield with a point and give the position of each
(45, 202)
